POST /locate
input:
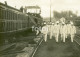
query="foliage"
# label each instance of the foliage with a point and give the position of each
(65, 14)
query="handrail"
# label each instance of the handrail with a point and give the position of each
(15, 30)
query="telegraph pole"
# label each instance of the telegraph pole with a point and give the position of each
(50, 10)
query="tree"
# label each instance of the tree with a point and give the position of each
(65, 14)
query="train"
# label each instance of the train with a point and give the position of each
(15, 21)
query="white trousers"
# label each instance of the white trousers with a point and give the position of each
(72, 37)
(56, 37)
(45, 37)
(64, 36)
(51, 34)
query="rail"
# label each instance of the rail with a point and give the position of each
(20, 51)
(76, 40)
(37, 48)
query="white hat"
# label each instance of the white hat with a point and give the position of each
(57, 21)
(71, 23)
(52, 23)
(44, 23)
(63, 23)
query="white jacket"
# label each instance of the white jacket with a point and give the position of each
(52, 28)
(44, 30)
(48, 26)
(64, 29)
(61, 27)
(68, 28)
(57, 28)
(73, 30)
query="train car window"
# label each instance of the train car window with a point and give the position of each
(10, 15)
(12, 26)
(0, 13)
(8, 26)
(13, 16)
(19, 25)
(5, 26)
(0, 26)
(20, 17)
(6, 14)
(3, 13)
(17, 16)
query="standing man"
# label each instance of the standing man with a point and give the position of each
(68, 28)
(64, 32)
(57, 30)
(51, 30)
(61, 29)
(48, 25)
(45, 31)
(72, 31)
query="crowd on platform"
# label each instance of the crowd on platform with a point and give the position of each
(58, 30)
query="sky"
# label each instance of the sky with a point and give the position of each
(56, 5)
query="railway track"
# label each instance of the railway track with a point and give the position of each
(13, 51)
(77, 39)
(38, 47)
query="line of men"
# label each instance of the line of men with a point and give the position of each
(59, 29)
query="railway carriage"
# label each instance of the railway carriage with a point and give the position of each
(13, 21)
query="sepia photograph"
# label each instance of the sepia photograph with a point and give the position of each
(39, 28)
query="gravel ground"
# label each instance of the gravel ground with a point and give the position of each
(60, 49)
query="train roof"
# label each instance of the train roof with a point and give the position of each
(4, 5)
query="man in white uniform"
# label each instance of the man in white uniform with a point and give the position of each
(64, 32)
(45, 31)
(48, 25)
(68, 29)
(51, 30)
(56, 30)
(61, 27)
(72, 31)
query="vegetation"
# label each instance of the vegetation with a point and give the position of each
(65, 14)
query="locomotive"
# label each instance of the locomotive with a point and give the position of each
(14, 21)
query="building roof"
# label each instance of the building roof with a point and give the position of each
(33, 7)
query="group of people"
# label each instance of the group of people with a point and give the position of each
(59, 30)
